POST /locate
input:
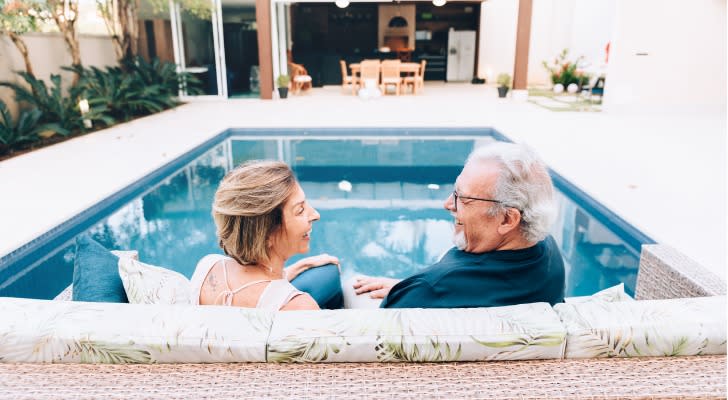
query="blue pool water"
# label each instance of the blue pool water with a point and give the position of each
(391, 222)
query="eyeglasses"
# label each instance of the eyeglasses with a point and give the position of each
(455, 196)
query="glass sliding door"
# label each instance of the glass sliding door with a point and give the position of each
(240, 33)
(198, 49)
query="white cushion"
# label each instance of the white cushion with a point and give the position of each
(521, 332)
(612, 294)
(115, 333)
(353, 300)
(673, 327)
(147, 284)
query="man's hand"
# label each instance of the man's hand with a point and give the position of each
(310, 262)
(378, 288)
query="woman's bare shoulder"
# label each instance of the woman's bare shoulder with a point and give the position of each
(303, 301)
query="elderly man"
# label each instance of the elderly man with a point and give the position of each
(503, 208)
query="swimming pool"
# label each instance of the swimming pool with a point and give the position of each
(379, 192)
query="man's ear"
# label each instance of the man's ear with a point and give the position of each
(510, 221)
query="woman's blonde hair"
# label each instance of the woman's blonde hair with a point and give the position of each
(248, 208)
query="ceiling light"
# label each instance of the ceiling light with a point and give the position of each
(341, 3)
(439, 3)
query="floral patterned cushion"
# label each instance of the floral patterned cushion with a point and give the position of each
(147, 284)
(674, 327)
(528, 331)
(114, 333)
(614, 293)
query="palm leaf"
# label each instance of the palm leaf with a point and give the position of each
(397, 349)
(604, 342)
(99, 352)
(294, 349)
(526, 346)
(54, 107)
(525, 341)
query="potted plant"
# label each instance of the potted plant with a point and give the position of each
(283, 81)
(504, 83)
(564, 71)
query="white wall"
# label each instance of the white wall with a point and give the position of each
(685, 63)
(48, 53)
(551, 27)
(582, 27)
(497, 49)
(592, 29)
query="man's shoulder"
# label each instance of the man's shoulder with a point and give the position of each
(452, 262)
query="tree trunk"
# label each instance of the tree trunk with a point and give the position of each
(125, 36)
(73, 46)
(133, 28)
(23, 49)
(68, 29)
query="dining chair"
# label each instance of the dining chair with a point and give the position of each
(391, 75)
(346, 79)
(300, 78)
(368, 70)
(417, 80)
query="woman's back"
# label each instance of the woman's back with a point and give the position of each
(219, 280)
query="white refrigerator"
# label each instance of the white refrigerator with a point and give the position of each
(460, 55)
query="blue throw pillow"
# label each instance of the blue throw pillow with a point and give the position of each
(323, 284)
(96, 273)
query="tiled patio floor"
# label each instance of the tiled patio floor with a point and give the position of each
(664, 173)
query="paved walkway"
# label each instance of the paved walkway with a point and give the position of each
(664, 173)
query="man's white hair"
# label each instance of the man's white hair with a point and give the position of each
(523, 183)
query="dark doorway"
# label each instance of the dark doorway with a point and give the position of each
(241, 50)
(323, 34)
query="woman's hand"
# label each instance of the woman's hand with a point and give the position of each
(378, 288)
(310, 262)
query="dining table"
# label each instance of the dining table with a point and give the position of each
(404, 68)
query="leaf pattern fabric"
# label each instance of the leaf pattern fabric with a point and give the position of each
(78, 332)
(61, 331)
(148, 284)
(612, 294)
(673, 327)
(528, 331)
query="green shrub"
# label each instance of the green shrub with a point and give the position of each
(114, 94)
(59, 113)
(25, 130)
(138, 88)
(165, 74)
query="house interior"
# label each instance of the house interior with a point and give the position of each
(318, 35)
(323, 34)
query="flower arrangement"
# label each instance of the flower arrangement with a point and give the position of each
(566, 72)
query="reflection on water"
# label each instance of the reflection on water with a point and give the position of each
(389, 222)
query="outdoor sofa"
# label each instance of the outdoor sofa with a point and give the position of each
(681, 311)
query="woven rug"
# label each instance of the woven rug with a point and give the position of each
(645, 378)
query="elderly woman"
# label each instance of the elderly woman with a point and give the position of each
(263, 219)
